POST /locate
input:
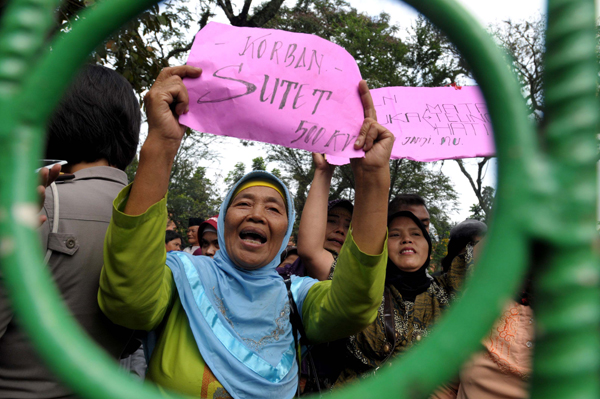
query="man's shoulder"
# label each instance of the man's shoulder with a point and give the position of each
(86, 196)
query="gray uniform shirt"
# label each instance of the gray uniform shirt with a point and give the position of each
(85, 207)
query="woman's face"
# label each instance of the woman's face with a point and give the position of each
(407, 247)
(173, 245)
(255, 226)
(209, 243)
(338, 223)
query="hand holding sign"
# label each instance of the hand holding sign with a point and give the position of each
(322, 165)
(165, 101)
(375, 140)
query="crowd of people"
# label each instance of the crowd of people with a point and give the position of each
(237, 309)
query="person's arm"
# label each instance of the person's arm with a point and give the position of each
(338, 308)
(454, 278)
(313, 223)
(349, 303)
(164, 138)
(136, 286)
(372, 179)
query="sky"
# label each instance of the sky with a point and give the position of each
(485, 11)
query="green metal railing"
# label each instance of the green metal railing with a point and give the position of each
(545, 205)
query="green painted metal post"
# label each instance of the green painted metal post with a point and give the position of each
(567, 268)
(545, 205)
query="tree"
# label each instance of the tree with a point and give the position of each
(277, 173)
(371, 40)
(262, 14)
(439, 251)
(477, 211)
(146, 44)
(239, 170)
(409, 177)
(524, 43)
(190, 196)
(259, 164)
(484, 201)
(191, 193)
(160, 35)
(431, 60)
(131, 169)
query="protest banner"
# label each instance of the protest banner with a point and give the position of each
(432, 123)
(301, 91)
(278, 87)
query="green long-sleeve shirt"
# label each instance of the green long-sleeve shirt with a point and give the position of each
(137, 291)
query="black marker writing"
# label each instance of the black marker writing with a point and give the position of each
(290, 53)
(250, 44)
(275, 53)
(308, 133)
(250, 88)
(298, 95)
(320, 97)
(287, 91)
(334, 137)
(264, 88)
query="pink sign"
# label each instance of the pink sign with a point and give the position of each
(432, 123)
(278, 87)
(301, 91)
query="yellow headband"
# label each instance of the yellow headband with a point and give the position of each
(260, 183)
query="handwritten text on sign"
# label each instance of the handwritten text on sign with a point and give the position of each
(435, 123)
(278, 87)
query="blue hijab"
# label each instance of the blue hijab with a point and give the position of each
(239, 317)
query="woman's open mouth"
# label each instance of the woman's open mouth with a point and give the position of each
(253, 236)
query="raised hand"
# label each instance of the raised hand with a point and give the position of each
(165, 101)
(322, 165)
(374, 139)
(372, 179)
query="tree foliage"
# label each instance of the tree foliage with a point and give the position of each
(484, 201)
(477, 211)
(431, 60)
(440, 250)
(297, 170)
(261, 16)
(191, 192)
(524, 43)
(146, 44)
(259, 163)
(239, 170)
(161, 35)
(371, 40)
